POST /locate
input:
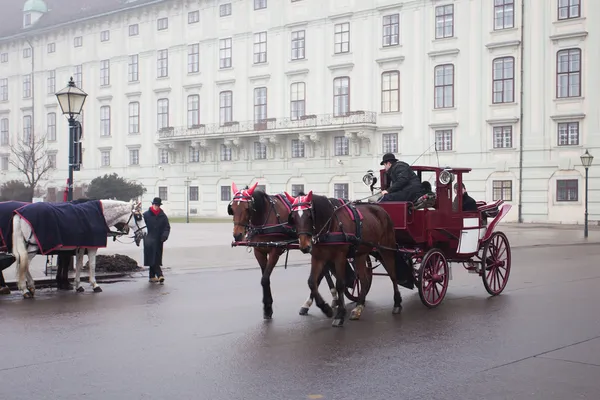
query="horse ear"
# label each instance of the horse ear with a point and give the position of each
(251, 190)
(234, 188)
(290, 198)
(309, 197)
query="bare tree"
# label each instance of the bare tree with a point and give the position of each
(30, 157)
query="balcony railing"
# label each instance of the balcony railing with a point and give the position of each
(270, 125)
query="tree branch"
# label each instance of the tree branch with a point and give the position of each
(30, 158)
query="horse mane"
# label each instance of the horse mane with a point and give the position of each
(261, 203)
(323, 210)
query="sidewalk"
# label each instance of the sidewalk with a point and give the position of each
(197, 245)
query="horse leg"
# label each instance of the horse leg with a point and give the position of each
(3, 288)
(327, 275)
(389, 263)
(272, 258)
(327, 272)
(316, 268)
(360, 264)
(92, 260)
(29, 279)
(21, 256)
(78, 267)
(340, 285)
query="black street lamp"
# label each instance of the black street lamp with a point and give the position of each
(586, 161)
(71, 100)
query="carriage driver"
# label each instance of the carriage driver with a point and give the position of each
(404, 184)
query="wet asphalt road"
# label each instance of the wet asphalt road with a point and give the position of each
(201, 336)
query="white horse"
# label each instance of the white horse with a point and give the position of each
(120, 214)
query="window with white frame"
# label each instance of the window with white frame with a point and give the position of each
(194, 193)
(162, 24)
(133, 68)
(503, 80)
(341, 96)
(51, 127)
(4, 134)
(134, 30)
(297, 100)
(105, 158)
(568, 134)
(4, 89)
(78, 41)
(162, 63)
(194, 155)
(4, 161)
(27, 128)
(567, 190)
(225, 53)
(78, 76)
(502, 190)
(342, 38)
(163, 193)
(162, 113)
(568, 71)
(444, 86)
(341, 146)
(391, 30)
(297, 148)
(297, 189)
(104, 72)
(298, 45)
(134, 157)
(260, 151)
(568, 9)
(163, 156)
(225, 153)
(390, 91)
(260, 47)
(225, 107)
(193, 110)
(260, 4)
(444, 21)
(104, 36)
(193, 58)
(134, 117)
(4, 58)
(105, 121)
(504, 14)
(389, 143)
(193, 17)
(340, 191)
(225, 193)
(225, 10)
(51, 82)
(51, 160)
(27, 86)
(260, 104)
(503, 137)
(51, 48)
(443, 140)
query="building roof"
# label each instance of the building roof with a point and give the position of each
(58, 12)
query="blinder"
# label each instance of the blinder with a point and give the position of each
(229, 209)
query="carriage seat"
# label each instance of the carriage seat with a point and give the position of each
(428, 200)
(489, 210)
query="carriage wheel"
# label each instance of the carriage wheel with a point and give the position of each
(353, 292)
(496, 259)
(433, 278)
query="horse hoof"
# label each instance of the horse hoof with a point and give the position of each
(4, 290)
(334, 303)
(80, 289)
(303, 311)
(327, 310)
(355, 314)
(397, 310)
(337, 323)
(27, 295)
(97, 289)
(268, 316)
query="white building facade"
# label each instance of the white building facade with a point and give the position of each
(187, 97)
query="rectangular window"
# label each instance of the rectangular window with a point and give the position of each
(341, 146)
(568, 71)
(194, 155)
(52, 160)
(4, 135)
(444, 86)
(504, 14)
(260, 47)
(162, 63)
(390, 91)
(27, 52)
(51, 81)
(225, 10)
(193, 17)
(104, 72)
(391, 30)
(225, 53)
(194, 193)
(225, 193)
(4, 89)
(389, 142)
(133, 68)
(4, 57)
(27, 128)
(567, 190)
(340, 190)
(78, 41)
(134, 30)
(104, 36)
(568, 134)
(105, 121)
(162, 113)
(297, 148)
(260, 104)
(568, 9)
(503, 77)
(502, 190)
(225, 153)
(298, 43)
(260, 151)
(260, 4)
(193, 110)
(51, 127)
(297, 189)
(503, 137)
(78, 76)
(163, 193)
(4, 163)
(162, 24)
(105, 158)
(193, 58)
(342, 38)
(163, 156)
(444, 21)
(134, 117)
(298, 100)
(341, 96)
(27, 86)
(225, 107)
(134, 157)
(51, 48)
(443, 140)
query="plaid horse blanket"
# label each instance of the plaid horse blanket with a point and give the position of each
(59, 226)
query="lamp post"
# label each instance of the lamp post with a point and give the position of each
(586, 161)
(71, 100)
(187, 201)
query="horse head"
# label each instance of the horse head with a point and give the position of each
(240, 208)
(125, 216)
(302, 218)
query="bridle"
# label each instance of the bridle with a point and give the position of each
(137, 236)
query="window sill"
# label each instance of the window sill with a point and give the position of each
(506, 104)
(226, 69)
(569, 99)
(501, 30)
(503, 149)
(446, 39)
(566, 21)
(105, 136)
(134, 82)
(348, 53)
(261, 64)
(391, 113)
(444, 109)
(194, 73)
(162, 78)
(390, 47)
(298, 60)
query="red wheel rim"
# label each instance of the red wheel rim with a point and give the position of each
(497, 264)
(435, 279)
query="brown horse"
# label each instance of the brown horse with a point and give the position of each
(332, 230)
(263, 219)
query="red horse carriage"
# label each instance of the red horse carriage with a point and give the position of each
(431, 234)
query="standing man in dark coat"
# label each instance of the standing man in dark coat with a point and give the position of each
(403, 183)
(157, 224)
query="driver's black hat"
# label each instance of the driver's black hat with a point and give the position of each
(388, 157)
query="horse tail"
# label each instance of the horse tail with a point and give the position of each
(19, 248)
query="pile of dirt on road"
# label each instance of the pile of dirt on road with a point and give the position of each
(114, 263)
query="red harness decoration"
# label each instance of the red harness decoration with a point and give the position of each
(244, 194)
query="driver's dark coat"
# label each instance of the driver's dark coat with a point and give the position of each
(158, 232)
(404, 184)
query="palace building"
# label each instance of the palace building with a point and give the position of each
(188, 96)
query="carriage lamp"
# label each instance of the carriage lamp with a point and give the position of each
(71, 100)
(586, 161)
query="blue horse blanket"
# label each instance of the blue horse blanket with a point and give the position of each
(66, 225)
(7, 209)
